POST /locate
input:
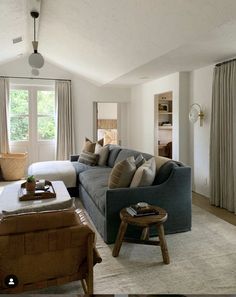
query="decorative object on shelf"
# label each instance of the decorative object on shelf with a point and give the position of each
(36, 60)
(30, 184)
(195, 113)
(163, 107)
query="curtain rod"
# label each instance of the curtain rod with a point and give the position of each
(42, 78)
(225, 62)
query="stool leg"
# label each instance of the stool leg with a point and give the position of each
(119, 239)
(145, 234)
(163, 244)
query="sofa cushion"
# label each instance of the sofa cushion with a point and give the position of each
(88, 158)
(145, 174)
(125, 153)
(54, 170)
(95, 182)
(113, 153)
(122, 173)
(80, 167)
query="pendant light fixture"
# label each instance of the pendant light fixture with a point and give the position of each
(36, 60)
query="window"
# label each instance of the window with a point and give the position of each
(32, 114)
(19, 115)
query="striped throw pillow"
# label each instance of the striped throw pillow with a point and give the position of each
(88, 158)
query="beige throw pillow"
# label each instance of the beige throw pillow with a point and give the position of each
(89, 146)
(161, 161)
(122, 173)
(103, 152)
(145, 174)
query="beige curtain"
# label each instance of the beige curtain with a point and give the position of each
(4, 97)
(65, 133)
(223, 137)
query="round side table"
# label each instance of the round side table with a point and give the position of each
(144, 222)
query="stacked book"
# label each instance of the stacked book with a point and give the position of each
(138, 211)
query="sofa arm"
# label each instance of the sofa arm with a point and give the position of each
(174, 195)
(176, 188)
(74, 158)
(75, 245)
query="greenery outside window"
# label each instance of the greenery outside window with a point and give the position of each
(32, 114)
(46, 115)
(19, 115)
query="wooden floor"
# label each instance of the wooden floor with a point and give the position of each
(203, 202)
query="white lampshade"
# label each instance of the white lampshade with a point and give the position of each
(36, 60)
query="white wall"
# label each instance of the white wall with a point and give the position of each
(142, 114)
(84, 94)
(201, 92)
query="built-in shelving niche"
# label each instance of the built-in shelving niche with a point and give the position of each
(163, 125)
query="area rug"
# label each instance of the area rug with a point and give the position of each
(203, 261)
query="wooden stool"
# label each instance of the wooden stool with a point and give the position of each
(144, 222)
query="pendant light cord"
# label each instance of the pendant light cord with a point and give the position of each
(34, 30)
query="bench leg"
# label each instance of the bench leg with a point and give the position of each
(145, 234)
(163, 244)
(119, 239)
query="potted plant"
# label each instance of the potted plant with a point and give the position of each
(30, 184)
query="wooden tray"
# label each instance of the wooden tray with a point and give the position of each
(47, 193)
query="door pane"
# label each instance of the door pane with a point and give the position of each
(46, 102)
(19, 110)
(46, 128)
(19, 102)
(19, 128)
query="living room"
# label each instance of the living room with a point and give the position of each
(121, 52)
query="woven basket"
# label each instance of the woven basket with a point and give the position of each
(13, 165)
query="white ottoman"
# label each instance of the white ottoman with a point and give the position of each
(10, 204)
(54, 170)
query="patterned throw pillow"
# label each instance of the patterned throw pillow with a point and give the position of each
(145, 174)
(88, 158)
(122, 173)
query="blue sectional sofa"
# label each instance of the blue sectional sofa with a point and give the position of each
(170, 190)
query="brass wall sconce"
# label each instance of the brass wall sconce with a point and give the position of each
(195, 113)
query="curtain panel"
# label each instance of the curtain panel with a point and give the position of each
(223, 138)
(65, 133)
(4, 98)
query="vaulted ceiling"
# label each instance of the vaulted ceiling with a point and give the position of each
(122, 42)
